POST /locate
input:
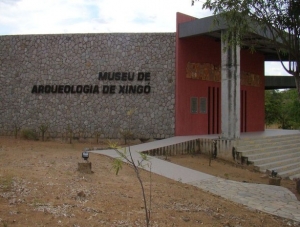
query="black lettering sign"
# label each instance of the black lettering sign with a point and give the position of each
(41, 89)
(34, 89)
(73, 91)
(130, 76)
(112, 89)
(117, 76)
(124, 76)
(132, 89)
(140, 76)
(121, 89)
(111, 76)
(96, 89)
(147, 89)
(102, 76)
(67, 89)
(140, 89)
(79, 89)
(60, 89)
(147, 76)
(105, 89)
(54, 88)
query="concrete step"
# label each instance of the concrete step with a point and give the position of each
(274, 164)
(294, 176)
(280, 153)
(285, 168)
(269, 138)
(265, 149)
(288, 173)
(253, 141)
(271, 156)
(275, 143)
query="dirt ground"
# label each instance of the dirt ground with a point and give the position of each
(40, 186)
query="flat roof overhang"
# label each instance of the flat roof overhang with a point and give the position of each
(279, 82)
(207, 27)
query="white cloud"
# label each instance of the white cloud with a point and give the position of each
(83, 16)
(38, 17)
(274, 69)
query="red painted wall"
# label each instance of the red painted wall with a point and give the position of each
(254, 63)
(202, 49)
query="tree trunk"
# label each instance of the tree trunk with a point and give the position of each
(297, 81)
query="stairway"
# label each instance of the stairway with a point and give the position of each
(279, 153)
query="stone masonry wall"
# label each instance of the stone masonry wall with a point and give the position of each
(54, 80)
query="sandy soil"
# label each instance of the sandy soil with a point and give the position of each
(40, 186)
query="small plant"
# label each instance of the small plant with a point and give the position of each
(4, 224)
(192, 151)
(53, 134)
(127, 135)
(126, 155)
(97, 134)
(29, 134)
(82, 132)
(43, 129)
(37, 202)
(198, 143)
(17, 129)
(144, 139)
(212, 152)
(69, 133)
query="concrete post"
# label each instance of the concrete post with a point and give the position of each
(230, 91)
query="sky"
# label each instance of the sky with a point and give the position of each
(18, 17)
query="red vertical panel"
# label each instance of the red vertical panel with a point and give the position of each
(245, 111)
(242, 111)
(208, 110)
(218, 111)
(253, 95)
(213, 111)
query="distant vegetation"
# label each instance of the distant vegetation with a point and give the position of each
(282, 108)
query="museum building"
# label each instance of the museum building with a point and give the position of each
(172, 84)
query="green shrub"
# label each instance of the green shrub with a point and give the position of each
(127, 135)
(29, 134)
(43, 129)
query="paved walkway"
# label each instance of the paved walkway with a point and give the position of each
(271, 199)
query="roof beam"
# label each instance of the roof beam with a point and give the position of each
(199, 27)
(279, 82)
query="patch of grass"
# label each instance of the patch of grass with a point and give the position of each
(4, 224)
(29, 134)
(6, 183)
(68, 173)
(37, 202)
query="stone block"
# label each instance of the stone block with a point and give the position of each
(85, 167)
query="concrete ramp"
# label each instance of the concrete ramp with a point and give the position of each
(161, 167)
(271, 199)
